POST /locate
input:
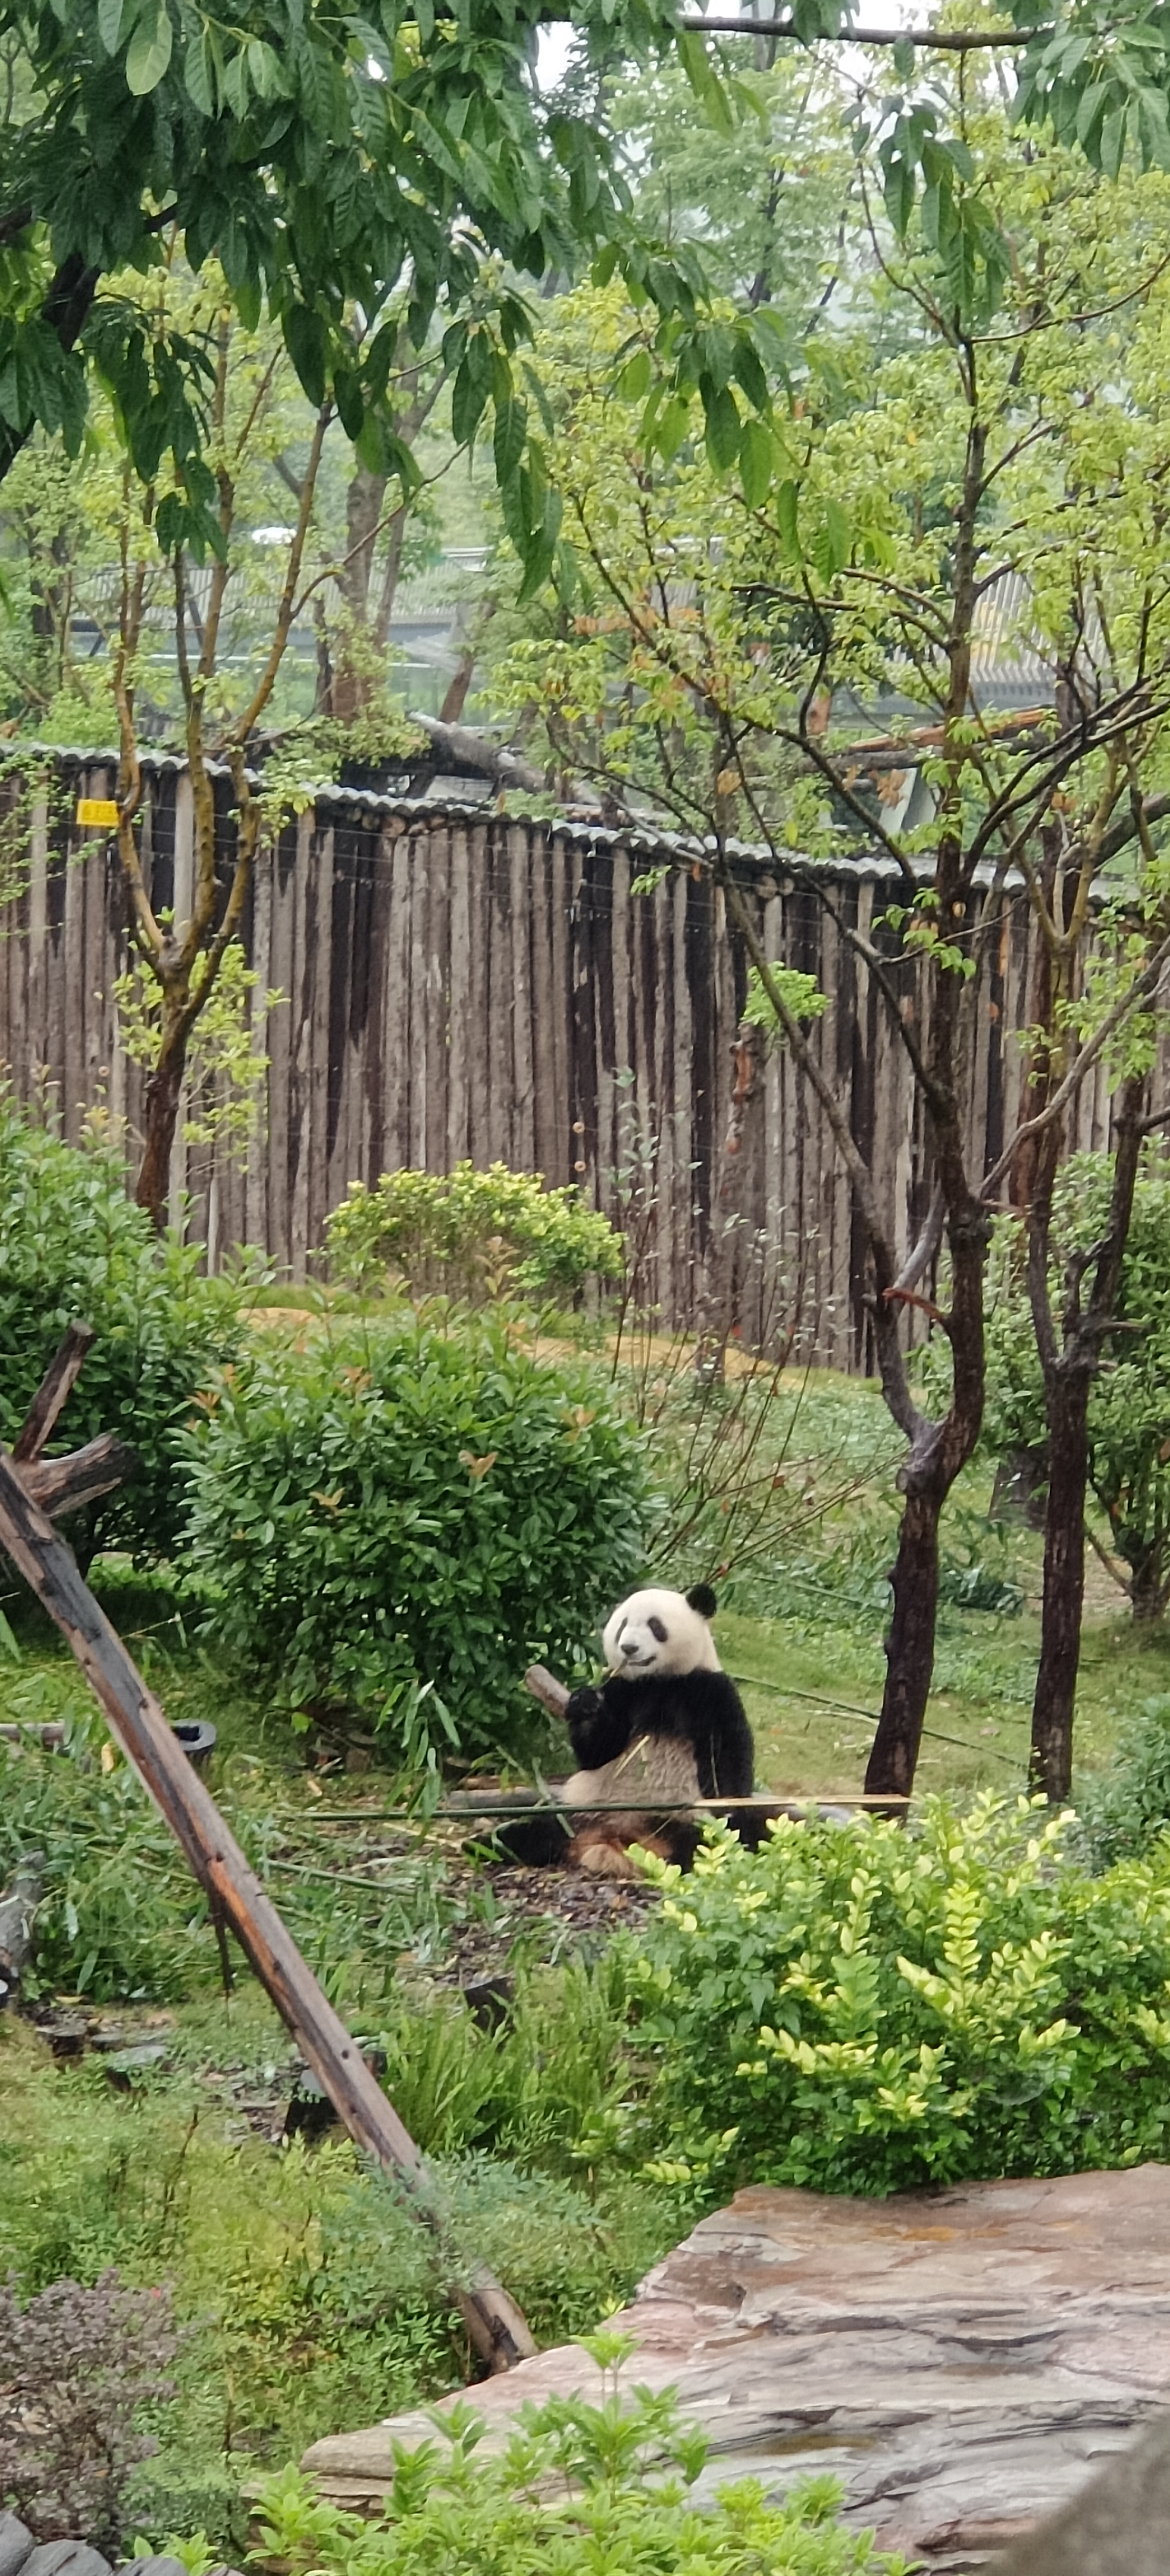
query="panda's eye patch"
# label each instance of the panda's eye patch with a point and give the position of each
(657, 1630)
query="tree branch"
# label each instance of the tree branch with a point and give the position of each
(961, 40)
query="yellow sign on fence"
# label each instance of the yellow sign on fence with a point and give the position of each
(97, 809)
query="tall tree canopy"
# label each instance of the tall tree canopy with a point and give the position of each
(330, 158)
(329, 154)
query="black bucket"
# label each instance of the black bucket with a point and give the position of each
(197, 1737)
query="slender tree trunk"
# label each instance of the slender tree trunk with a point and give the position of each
(163, 1094)
(909, 1645)
(1148, 1583)
(1069, 1369)
(1064, 1577)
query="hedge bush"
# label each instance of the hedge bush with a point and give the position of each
(864, 2009)
(417, 1505)
(72, 1244)
(470, 1233)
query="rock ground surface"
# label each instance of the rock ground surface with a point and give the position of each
(963, 2360)
(21, 2555)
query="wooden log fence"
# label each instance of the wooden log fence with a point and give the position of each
(456, 984)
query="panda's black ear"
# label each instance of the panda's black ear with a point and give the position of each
(702, 1599)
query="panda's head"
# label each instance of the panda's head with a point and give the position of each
(662, 1632)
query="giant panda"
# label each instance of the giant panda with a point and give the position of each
(665, 1722)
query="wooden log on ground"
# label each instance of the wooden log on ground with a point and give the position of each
(17, 1911)
(496, 2327)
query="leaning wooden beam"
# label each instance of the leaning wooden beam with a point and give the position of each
(495, 2325)
(65, 1484)
(53, 1393)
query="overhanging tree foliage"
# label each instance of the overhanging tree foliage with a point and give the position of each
(327, 154)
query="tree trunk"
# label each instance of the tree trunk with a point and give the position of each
(163, 1094)
(353, 677)
(1148, 1583)
(909, 1647)
(1050, 1764)
(1070, 1367)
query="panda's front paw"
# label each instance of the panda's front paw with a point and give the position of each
(584, 1706)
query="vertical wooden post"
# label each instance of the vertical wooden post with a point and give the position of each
(496, 2327)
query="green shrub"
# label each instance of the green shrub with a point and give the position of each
(417, 1505)
(471, 1233)
(1129, 1401)
(72, 1244)
(1123, 1809)
(314, 2301)
(581, 2489)
(863, 2009)
(119, 1906)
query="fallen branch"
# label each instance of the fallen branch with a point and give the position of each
(64, 1484)
(475, 751)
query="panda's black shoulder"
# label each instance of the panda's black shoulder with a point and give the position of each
(718, 1728)
(713, 1694)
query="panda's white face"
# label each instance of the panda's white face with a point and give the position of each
(658, 1632)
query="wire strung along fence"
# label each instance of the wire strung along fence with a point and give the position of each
(457, 984)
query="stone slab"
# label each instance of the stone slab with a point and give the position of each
(16, 2544)
(962, 2360)
(66, 2558)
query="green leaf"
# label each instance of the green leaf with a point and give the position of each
(304, 338)
(371, 445)
(199, 73)
(750, 375)
(1113, 142)
(634, 381)
(672, 428)
(511, 432)
(704, 81)
(247, 300)
(755, 462)
(723, 425)
(110, 16)
(150, 50)
(347, 394)
(471, 389)
(787, 520)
